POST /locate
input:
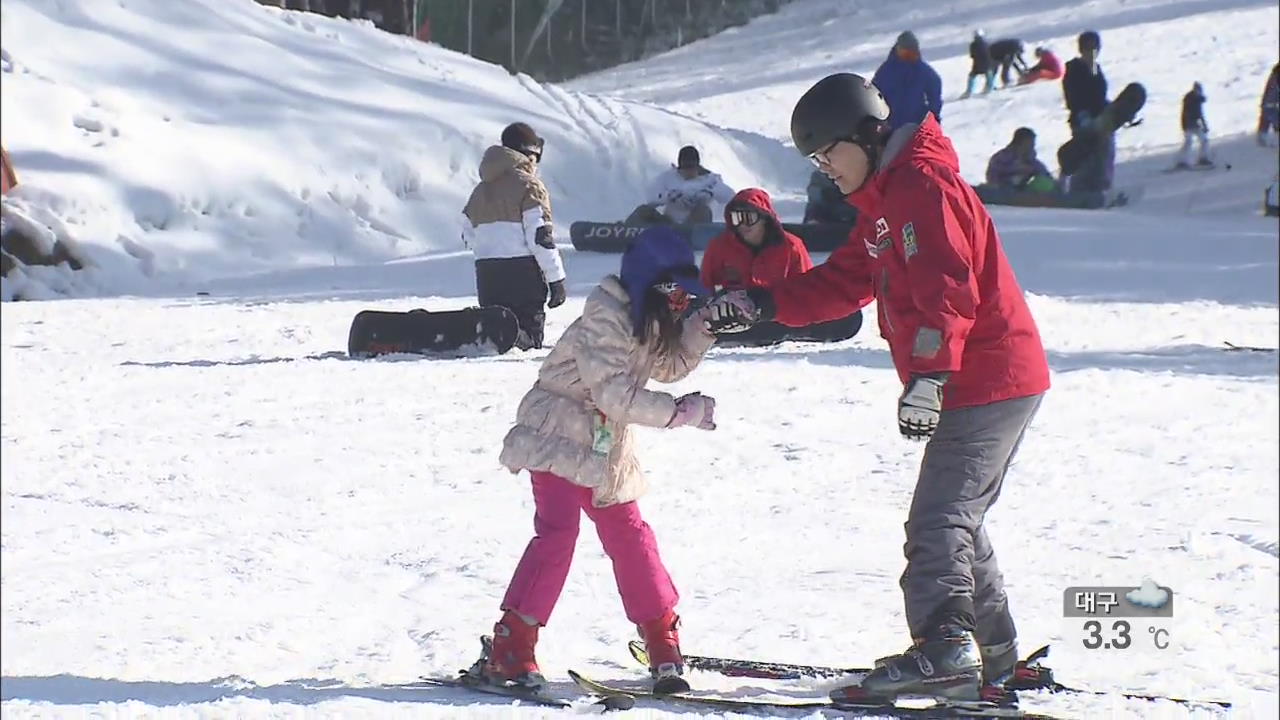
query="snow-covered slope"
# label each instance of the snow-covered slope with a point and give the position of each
(221, 137)
(1229, 46)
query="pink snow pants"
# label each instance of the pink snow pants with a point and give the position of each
(646, 588)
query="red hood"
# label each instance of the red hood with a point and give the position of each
(926, 144)
(756, 198)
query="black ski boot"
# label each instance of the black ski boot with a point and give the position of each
(946, 666)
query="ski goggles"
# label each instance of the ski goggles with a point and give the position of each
(739, 218)
(678, 298)
(533, 151)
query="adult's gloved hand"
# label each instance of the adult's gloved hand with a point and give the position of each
(737, 310)
(694, 409)
(557, 295)
(920, 406)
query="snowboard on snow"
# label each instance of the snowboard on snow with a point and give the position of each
(1074, 153)
(614, 237)
(489, 329)
(764, 334)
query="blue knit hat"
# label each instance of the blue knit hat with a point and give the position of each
(658, 254)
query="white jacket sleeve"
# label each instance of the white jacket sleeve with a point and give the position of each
(660, 190)
(548, 258)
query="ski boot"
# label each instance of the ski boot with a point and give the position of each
(509, 659)
(662, 641)
(946, 666)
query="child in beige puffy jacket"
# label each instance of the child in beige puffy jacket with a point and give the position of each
(573, 434)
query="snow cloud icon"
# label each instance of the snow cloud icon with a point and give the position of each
(1149, 595)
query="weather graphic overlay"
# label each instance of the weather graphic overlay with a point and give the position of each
(1119, 619)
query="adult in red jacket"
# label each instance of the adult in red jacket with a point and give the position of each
(754, 250)
(967, 351)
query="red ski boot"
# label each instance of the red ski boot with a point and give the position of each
(511, 660)
(666, 664)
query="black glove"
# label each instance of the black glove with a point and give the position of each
(543, 238)
(557, 294)
(920, 406)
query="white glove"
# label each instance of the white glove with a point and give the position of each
(730, 312)
(920, 406)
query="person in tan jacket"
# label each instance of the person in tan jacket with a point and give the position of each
(573, 433)
(507, 225)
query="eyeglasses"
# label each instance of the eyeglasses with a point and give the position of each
(744, 217)
(822, 157)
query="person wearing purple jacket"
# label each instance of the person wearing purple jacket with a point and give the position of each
(910, 86)
(1016, 165)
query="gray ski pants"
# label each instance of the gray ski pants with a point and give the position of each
(951, 566)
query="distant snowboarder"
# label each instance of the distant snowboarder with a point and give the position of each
(684, 192)
(1194, 128)
(507, 225)
(1084, 87)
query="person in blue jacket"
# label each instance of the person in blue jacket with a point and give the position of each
(908, 83)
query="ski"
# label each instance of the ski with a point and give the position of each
(884, 711)
(790, 671)
(523, 694)
(1232, 347)
(750, 668)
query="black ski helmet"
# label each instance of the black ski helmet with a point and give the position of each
(842, 106)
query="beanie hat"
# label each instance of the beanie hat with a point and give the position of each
(658, 254)
(521, 138)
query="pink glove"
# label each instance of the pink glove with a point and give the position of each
(694, 409)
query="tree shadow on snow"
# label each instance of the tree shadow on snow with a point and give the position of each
(76, 690)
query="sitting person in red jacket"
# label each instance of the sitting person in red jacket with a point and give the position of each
(1048, 67)
(754, 250)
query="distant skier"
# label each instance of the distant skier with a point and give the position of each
(1269, 112)
(909, 84)
(684, 192)
(1007, 54)
(1047, 67)
(980, 55)
(1084, 87)
(507, 225)
(967, 352)
(573, 434)
(1194, 128)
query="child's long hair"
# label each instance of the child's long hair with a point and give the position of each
(659, 319)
